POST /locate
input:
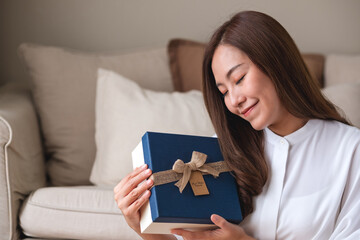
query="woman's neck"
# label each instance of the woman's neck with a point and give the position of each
(287, 125)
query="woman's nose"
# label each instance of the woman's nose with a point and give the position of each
(236, 98)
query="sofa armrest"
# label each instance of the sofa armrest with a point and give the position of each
(22, 167)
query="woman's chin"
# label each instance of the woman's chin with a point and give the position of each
(258, 126)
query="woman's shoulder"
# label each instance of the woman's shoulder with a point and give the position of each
(336, 140)
(340, 131)
(339, 126)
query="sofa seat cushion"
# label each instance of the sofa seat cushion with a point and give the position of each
(82, 212)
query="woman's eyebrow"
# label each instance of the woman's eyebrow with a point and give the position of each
(232, 70)
(228, 74)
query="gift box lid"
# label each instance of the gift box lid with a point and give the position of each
(167, 204)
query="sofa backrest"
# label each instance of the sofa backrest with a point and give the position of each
(63, 85)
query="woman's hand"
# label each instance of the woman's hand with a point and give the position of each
(130, 197)
(225, 231)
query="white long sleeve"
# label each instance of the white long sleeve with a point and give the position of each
(348, 222)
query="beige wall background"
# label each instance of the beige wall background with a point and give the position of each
(113, 26)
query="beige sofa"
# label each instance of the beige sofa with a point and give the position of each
(55, 177)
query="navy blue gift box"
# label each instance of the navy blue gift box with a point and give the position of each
(167, 207)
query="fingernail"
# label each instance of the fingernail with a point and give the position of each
(143, 166)
(148, 171)
(149, 182)
(215, 217)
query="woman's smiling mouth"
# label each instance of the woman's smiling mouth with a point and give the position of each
(246, 112)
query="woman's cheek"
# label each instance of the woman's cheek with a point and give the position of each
(230, 107)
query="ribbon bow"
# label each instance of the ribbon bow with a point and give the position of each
(196, 164)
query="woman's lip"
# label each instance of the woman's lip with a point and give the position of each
(247, 111)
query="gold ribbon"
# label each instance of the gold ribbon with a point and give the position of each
(181, 171)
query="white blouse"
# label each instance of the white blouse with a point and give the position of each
(313, 190)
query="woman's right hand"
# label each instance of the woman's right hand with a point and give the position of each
(130, 196)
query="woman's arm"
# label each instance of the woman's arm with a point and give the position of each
(347, 225)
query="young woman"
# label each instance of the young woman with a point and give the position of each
(296, 159)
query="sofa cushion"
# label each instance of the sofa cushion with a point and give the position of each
(82, 212)
(342, 68)
(347, 97)
(125, 111)
(186, 58)
(63, 87)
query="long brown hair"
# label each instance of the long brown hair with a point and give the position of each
(273, 51)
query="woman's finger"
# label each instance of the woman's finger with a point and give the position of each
(135, 181)
(136, 171)
(137, 192)
(220, 221)
(131, 181)
(136, 205)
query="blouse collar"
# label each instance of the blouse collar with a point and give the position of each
(299, 135)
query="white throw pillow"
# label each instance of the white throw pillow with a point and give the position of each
(125, 111)
(341, 68)
(347, 98)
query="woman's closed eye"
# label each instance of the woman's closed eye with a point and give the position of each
(224, 94)
(238, 81)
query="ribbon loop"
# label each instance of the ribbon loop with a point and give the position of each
(179, 166)
(196, 163)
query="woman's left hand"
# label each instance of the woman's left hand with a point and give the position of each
(225, 231)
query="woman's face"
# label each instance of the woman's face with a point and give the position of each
(247, 91)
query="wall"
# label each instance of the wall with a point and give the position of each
(325, 26)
